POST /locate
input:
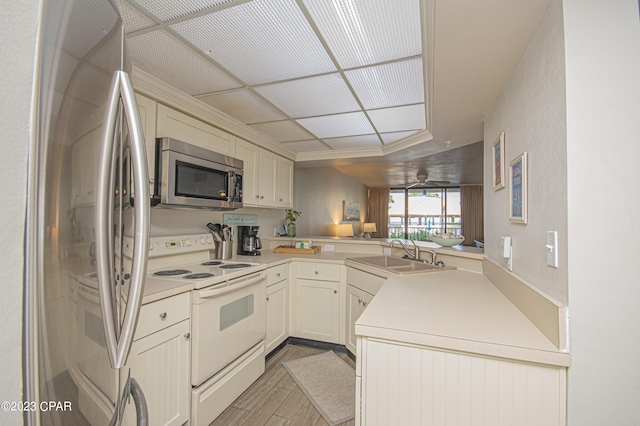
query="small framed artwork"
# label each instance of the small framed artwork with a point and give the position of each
(498, 163)
(350, 211)
(518, 189)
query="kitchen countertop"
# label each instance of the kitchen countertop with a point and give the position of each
(455, 310)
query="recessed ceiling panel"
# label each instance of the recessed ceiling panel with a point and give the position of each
(399, 119)
(330, 126)
(307, 146)
(164, 56)
(133, 19)
(244, 106)
(283, 131)
(260, 41)
(394, 84)
(353, 142)
(321, 95)
(168, 10)
(388, 138)
(363, 32)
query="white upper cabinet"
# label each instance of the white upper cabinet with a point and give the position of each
(174, 124)
(285, 183)
(268, 178)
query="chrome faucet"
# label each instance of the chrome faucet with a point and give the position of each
(416, 251)
(433, 256)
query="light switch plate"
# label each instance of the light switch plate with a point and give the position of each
(552, 248)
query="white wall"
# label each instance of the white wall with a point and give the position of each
(319, 193)
(603, 159)
(17, 47)
(531, 112)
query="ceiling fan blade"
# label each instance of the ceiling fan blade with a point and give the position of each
(438, 182)
(414, 184)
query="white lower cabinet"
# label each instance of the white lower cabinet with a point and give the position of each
(319, 300)
(277, 306)
(404, 384)
(361, 288)
(357, 301)
(159, 361)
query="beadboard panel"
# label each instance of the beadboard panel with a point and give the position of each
(408, 385)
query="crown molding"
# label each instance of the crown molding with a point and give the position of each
(152, 87)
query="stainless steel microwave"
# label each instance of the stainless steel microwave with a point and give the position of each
(190, 176)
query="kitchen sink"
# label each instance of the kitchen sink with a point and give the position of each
(398, 265)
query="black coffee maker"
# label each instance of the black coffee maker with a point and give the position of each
(248, 242)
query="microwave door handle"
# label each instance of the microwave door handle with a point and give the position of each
(231, 193)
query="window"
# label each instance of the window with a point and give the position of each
(417, 212)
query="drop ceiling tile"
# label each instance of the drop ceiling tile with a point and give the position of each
(392, 84)
(244, 106)
(283, 131)
(353, 142)
(132, 18)
(320, 95)
(168, 10)
(260, 41)
(411, 117)
(363, 32)
(329, 126)
(388, 138)
(307, 146)
(164, 56)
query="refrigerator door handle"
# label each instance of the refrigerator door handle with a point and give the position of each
(133, 388)
(119, 340)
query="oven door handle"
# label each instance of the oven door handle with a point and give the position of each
(233, 285)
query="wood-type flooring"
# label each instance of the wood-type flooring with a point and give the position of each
(275, 399)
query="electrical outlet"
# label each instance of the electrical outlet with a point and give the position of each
(328, 247)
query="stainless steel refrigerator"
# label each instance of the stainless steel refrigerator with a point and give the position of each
(83, 295)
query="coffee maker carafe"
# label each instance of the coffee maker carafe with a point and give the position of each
(248, 242)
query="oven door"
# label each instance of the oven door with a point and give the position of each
(228, 319)
(195, 182)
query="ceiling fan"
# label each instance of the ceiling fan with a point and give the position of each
(423, 179)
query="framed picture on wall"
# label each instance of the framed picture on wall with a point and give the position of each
(498, 163)
(518, 189)
(350, 211)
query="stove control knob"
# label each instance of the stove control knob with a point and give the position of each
(208, 240)
(187, 243)
(202, 240)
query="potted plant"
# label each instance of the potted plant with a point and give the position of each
(291, 217)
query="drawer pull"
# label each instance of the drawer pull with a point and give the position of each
(163, 315)
(187, 335)
(359, 300)
(335, 291)
(278, 275)
(364, 303)
(316, 272)
(267, 298)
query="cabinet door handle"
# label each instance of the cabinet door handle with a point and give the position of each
(359, 300)
(316, 272)
(163, 315)
(261, 197)
(335, 291)
(257, 196)
(267, 298)
(187, 335)
(280, 199)
(364, 303)
(278, 275)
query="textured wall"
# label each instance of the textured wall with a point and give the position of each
(531, 111)
(319, 193)
(603, 129)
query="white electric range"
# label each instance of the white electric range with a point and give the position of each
(228, 317)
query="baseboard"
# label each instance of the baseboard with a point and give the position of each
(312, 344)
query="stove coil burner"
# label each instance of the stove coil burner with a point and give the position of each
(235, 266)
(198, 276)
(172, 272)
(212, 263)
